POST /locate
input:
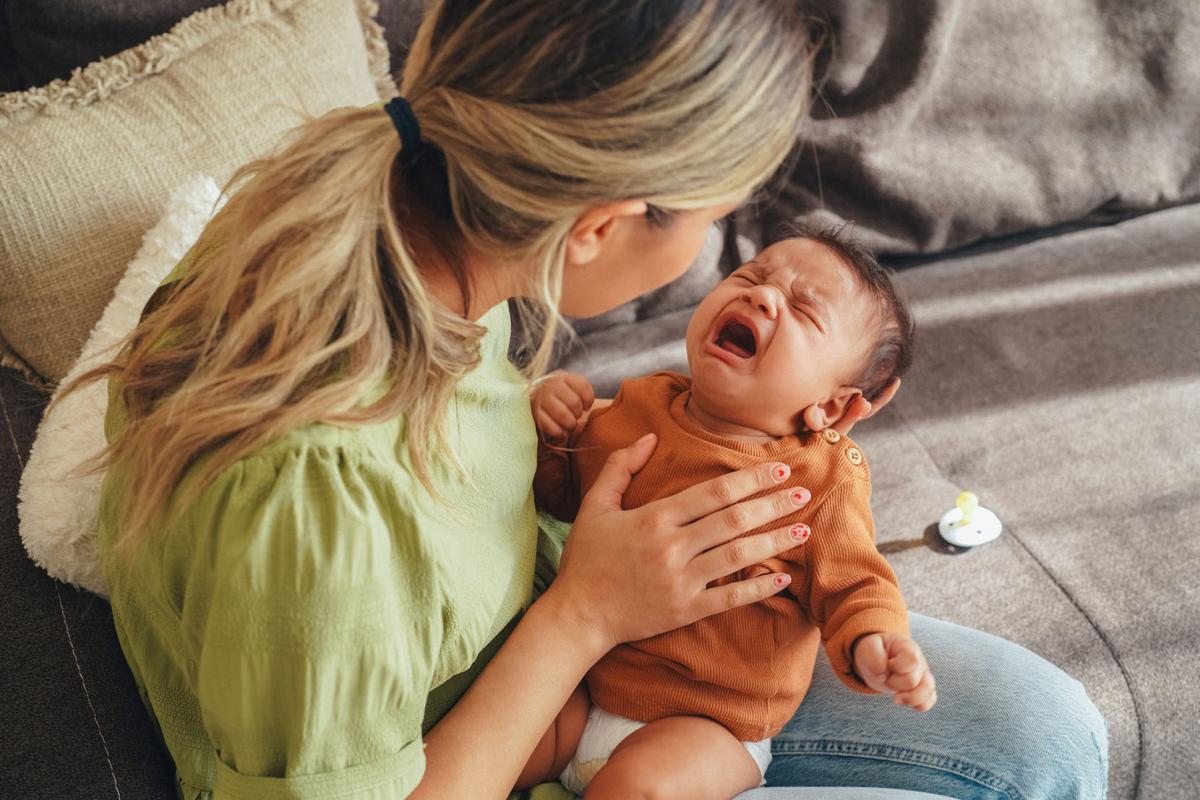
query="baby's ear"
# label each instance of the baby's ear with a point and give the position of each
(820, 416)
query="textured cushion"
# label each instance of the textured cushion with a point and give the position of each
(943, 123)
(57, 508)
(89, 162)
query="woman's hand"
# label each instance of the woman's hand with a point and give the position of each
(862, 409)
(628, 575)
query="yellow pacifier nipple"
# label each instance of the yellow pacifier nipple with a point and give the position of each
(966, 502)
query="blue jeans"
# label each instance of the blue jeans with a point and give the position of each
(1008, 724)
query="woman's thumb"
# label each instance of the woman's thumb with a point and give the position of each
(614, 478)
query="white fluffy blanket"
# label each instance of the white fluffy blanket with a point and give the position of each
(57, 509)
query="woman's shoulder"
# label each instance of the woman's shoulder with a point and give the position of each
(317, 464)
(311, 509)
(372, 445)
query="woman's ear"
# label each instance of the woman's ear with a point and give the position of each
(822, 415)
(597, 226)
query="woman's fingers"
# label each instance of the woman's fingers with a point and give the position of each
(738, 554)
(697, 502)
(739, 593)
(722, 526)
(858, 410)
(861, 409)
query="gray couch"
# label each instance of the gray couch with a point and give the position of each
(1028, 168)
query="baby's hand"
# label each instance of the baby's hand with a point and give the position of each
(892, 663)
(560, 401)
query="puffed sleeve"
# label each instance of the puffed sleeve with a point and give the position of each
(849, 587)
(312, 615)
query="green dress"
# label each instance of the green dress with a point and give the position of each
(302, 623)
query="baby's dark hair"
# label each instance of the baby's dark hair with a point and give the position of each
(893, 351)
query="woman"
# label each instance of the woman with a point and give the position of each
(318, 529)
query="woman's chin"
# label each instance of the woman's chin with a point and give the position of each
(583, 308)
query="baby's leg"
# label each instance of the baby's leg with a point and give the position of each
(673, 757)
(558, 744)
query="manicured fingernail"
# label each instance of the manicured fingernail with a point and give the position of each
(801, 496)
(782, 580)
(780, 472)
(801, 532)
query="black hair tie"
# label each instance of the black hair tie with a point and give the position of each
(423, 163)
(406, 124)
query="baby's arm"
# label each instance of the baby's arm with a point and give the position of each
(853, 596)
(561, 403)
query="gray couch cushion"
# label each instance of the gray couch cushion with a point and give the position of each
(74, 724)
(52, 37)
(1060, 381)
(41, 40)
(944, 122)
(10, 71)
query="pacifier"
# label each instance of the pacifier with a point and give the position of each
(969, 524)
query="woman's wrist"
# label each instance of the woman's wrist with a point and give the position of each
(556, 610)
(516, 697)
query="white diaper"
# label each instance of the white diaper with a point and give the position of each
(604, 731)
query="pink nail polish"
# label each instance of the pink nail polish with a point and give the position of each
(780, 472)
(801, 496)
(801, 532)
(782, 580)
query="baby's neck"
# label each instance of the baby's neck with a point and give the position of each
(722, 427)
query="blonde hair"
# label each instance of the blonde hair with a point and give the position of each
(541, 110)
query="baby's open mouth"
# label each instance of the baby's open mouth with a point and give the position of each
(737, 338)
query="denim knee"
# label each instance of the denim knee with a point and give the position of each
(1074, 764)
(1060, 737)
(1008, 725)
(1091, 723)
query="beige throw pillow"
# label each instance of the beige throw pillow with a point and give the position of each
(87, 164)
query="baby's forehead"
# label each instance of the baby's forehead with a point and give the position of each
(809, 266)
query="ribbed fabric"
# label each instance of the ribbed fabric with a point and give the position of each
(748, 668)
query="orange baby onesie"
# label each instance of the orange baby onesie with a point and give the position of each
(750, 667)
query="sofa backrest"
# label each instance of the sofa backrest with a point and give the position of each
(944, 122)
(41, 40)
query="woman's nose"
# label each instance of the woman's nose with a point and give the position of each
(765, 298)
